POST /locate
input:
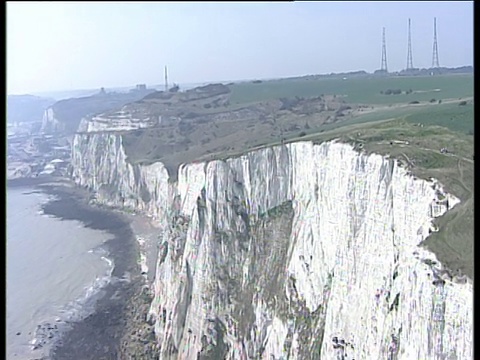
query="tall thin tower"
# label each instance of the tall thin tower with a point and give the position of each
(435, 63)
(166, 79)
(409, 53)
(384, 53)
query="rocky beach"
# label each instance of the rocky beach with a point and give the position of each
(117, 326)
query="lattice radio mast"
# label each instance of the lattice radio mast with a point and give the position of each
(435, 63)
(409, 54)
(384, 53)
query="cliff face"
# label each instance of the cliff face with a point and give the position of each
(50, 123)
(120, 120)
(298, 251)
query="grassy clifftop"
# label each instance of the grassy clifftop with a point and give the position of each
(202, 124)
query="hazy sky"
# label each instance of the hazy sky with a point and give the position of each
(83, 45)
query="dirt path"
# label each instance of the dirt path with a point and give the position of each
(450, 154)
(433, 150)
(460, 180)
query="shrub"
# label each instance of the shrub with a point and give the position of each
(185, 127)
(414, 102)
(303, 133)
(190, 115)
(174, 89)
(462, 103)
(288, 104)
(393, 92)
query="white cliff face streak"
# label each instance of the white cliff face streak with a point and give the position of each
(299, 251)
(50, 123)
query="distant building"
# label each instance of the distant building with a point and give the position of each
(139, 88)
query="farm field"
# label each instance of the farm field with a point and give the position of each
(364, 90)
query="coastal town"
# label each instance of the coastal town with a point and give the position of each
(31, 153)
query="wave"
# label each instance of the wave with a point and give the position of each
(50, 333)
(109, 262)
(84, 306)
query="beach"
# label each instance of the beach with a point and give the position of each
(117, 325)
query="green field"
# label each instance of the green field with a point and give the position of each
(364, 90)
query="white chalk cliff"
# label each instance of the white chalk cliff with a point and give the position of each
(299, 251)
(50, 123)
(121, 120)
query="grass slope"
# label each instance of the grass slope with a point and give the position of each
(448, 114)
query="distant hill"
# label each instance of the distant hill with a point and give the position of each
(437, 71)
(26, 108)
(65, 115)
(70, 94)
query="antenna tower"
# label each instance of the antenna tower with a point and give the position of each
(409, 54)
(435, 63)
(166, 80)
(384, 53)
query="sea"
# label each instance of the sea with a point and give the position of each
(54, 269)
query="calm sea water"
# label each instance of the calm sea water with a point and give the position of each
(53, 268)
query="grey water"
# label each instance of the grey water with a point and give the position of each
(53, 268)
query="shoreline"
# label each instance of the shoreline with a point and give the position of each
(117, 328)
